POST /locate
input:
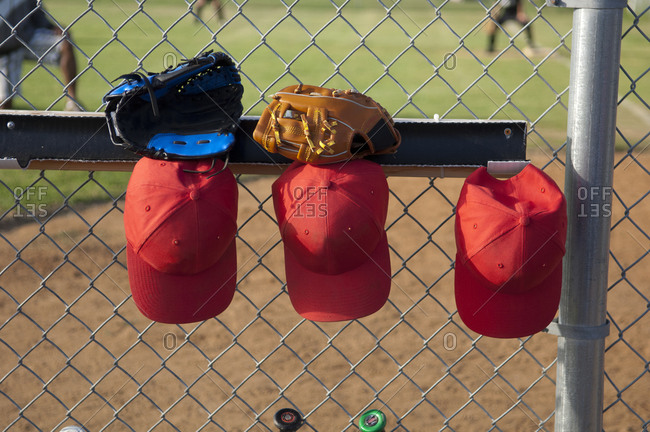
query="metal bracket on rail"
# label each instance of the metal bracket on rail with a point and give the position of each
(578, 331)
(588, 4)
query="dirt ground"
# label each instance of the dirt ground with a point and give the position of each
(75, 350)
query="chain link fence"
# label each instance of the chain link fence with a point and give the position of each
(74, 350)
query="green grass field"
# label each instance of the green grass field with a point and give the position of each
(417, 61)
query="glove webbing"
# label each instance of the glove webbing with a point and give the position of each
(147, 85)
(323, 146)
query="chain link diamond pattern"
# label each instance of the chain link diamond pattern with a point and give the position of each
(75, 350)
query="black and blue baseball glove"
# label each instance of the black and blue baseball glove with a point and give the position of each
(188, 112)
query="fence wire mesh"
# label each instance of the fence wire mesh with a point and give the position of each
(74, 350)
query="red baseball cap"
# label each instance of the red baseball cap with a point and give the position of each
(510, 239)
(180, 239)
(331, 219)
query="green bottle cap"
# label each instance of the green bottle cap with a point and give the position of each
(372, 421)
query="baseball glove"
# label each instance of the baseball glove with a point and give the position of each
(320, 125)
(191, 111)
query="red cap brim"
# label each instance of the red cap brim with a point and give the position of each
(179, 299)
(502, 315)
(341, 297)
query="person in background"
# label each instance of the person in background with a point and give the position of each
(216, 5)
(509, 10)
(27, 33)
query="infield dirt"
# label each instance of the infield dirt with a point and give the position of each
(78, 345)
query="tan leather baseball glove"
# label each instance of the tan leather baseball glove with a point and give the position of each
(321, 125)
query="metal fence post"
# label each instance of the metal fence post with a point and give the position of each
(591, 128)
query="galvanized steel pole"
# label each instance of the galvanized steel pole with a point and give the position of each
(591, 129)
